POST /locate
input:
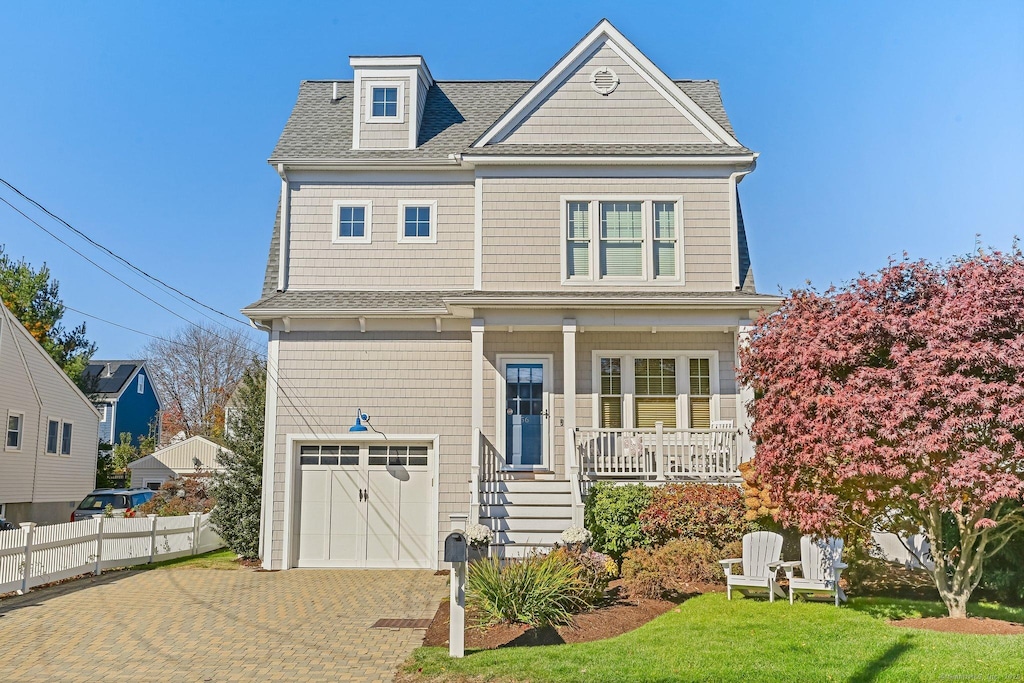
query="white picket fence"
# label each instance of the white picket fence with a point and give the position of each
(34, 555)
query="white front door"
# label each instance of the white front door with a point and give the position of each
(365, 506)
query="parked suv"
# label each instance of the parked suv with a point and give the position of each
(122, 502)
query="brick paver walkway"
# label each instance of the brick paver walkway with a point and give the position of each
(211, 625)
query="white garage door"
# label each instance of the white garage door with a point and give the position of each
(365, 506)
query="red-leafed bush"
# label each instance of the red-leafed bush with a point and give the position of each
(897, 403)
(708, 512)
(180, 496)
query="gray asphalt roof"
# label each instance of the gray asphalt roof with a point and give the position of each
(455, 114)
(434, 302)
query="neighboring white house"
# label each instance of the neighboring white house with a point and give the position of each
(48, 459)
(191, 456)
(529, 286)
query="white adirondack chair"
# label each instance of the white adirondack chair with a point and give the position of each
(821, 563)
(761, 552)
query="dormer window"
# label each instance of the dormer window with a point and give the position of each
(385, 102)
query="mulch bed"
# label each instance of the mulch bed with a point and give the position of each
(974, 625)
(617, 615)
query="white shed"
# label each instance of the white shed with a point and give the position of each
(191, 456)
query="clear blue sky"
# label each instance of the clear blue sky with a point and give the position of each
(883, 127)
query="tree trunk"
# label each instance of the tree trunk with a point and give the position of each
(956, 579)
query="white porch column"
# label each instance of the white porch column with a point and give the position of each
(477, 413)
(569, 374)
(745, 396)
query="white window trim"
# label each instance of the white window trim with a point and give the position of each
(336, 221)
(21, 431)
(682, 359)
(60, 439)
(432, 239)
(104, 410)
(647, 213)
(547, 362)
(140, 384)
(399, 107)
(46, 437)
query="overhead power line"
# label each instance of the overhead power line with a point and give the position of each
(134, 289)
(123, 260)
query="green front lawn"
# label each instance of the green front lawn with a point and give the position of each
(709, 639)
(215, 559)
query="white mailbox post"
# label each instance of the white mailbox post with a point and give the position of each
(456, 551)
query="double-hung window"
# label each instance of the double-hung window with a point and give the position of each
(611, 393)
(622, 240)
(654, 380)
(417, 221)
(65, 439)
(52, 436)
(614, 240)
(352, 221)
(15, 425)
(700, 393)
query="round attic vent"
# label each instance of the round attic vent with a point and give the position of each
(604, 80)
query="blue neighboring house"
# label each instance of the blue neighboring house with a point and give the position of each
(126, 398)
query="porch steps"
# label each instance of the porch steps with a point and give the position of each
(526, 515)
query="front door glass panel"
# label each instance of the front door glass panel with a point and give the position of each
(524, 414)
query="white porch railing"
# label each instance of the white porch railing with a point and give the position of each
(659, 454)
(34, 555)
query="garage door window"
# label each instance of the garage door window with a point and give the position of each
(329, 455)
(407, 456)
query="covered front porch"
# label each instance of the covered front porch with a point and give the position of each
(623, 396)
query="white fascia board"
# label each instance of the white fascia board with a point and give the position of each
(275, 313)
(589, 159)
(438, 163)
(619, 302)
(415, 62)
(603, 33)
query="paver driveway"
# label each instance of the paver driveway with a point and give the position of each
(211, 625)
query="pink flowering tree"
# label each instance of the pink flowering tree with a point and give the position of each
(896, 403)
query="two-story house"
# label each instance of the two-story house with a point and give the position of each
(48, 456)
(126, 398)
(527, 286)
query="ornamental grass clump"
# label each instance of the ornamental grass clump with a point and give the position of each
(537, 590)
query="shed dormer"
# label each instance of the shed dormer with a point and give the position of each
(388, 98)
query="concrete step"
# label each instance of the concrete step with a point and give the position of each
(556, 524)
(527, 486)
(519, 511)
(507, 498)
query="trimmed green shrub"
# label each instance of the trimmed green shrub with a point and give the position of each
(672, 568)
(537, 590)
(612, 515)
(709, 512)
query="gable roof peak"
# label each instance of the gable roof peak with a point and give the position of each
(605, 33)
